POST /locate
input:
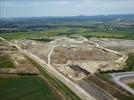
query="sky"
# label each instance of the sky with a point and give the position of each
(37, 8)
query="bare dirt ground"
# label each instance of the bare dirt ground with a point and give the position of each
(83, 53)
(22, 65)
(90, 65)
(63, 54)
(73, 51)
(72, 73)
(40, 49)
(122, 45)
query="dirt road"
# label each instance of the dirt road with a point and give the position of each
(49, 55)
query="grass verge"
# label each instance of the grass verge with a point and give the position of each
(131, 85)
(5, 62)
(69, 95)
(130, 62)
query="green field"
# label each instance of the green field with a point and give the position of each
(131, 85)
(23, 35)
(68, 31)
(24, 88)
(110, 34)
(69, 95)
(5, 62)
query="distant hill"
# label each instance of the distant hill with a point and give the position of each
(22, 21)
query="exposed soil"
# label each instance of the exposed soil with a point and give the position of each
(63, 54)
(21, 63)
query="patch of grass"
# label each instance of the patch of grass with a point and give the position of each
(55, 82)
(131, 85)
(24, 88)
(130, 62)
(44, 39)
(5, 62)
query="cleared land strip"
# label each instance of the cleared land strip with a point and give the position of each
(73, 86)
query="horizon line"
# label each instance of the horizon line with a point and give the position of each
(63, 16)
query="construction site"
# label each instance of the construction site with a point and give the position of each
(75, 61)
(69, 55)
(66, 49)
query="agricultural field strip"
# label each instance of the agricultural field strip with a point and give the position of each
(4, 61)
(23, 86)
(118, 76)
(68, 31)
(73, 86)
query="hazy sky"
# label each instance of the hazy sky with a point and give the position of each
(30, 8)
